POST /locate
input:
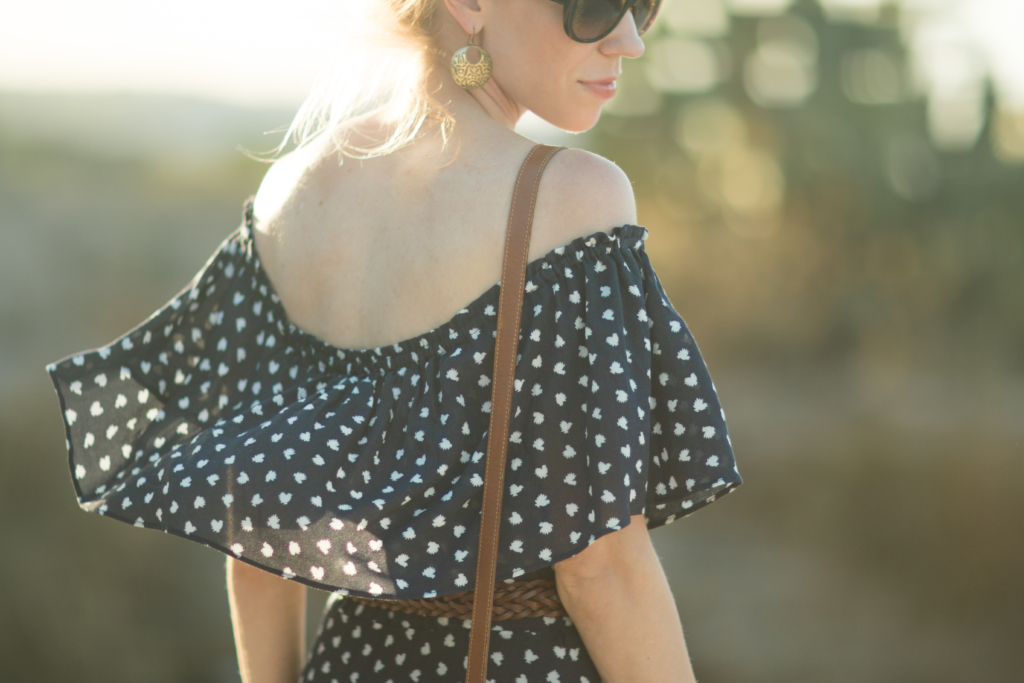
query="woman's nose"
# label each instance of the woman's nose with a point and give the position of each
(631, 46)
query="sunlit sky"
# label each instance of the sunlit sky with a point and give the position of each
(268, 53)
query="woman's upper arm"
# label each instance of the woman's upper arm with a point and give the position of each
(610, 554)
(239, 571)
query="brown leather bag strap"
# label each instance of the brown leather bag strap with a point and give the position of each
(510, 309)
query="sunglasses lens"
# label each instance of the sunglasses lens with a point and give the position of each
(592, 19)
(644, 14)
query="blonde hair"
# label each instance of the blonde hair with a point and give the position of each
(389, 50)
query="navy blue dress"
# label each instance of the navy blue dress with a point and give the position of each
(360, 471)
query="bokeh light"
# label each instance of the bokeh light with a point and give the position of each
(682, 65)
(871, 76)
(782, 70)
(1008, 135)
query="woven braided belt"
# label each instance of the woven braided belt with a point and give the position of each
(516, 600)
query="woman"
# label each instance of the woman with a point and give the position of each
(273, 415)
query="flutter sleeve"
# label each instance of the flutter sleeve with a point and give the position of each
(617, 414)
(691, 455)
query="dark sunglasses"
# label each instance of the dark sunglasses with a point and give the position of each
(588, 21)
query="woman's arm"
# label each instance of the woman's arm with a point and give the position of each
(269, 618)
(617, 595)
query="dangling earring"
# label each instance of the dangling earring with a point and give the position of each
(467, 75)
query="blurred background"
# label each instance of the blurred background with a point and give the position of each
(835, 196)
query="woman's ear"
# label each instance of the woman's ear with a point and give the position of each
(469, 14)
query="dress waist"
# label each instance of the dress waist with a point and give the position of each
(516, 600)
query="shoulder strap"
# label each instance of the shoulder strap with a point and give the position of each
(510, 309)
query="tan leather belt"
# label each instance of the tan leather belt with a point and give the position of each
(516, 600)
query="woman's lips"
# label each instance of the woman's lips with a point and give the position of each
(605, 88)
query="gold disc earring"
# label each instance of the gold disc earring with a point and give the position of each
(464, 73)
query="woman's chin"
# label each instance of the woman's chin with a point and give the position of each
(582, 119)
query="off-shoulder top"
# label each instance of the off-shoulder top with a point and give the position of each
(361, 470)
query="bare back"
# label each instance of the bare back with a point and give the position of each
(376, 251)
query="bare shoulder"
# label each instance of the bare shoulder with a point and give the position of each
(581, 193)
(277, 188)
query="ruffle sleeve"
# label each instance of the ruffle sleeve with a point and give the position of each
(361, 470)
(620, 411)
